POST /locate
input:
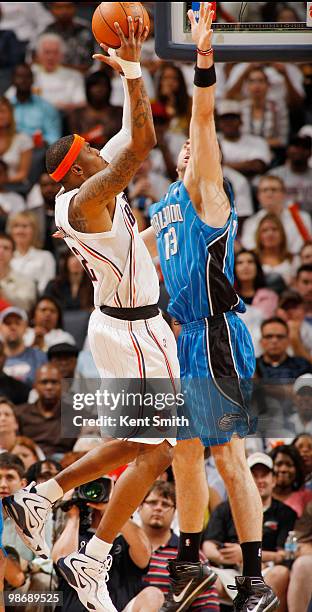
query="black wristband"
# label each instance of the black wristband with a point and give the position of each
(205, 77)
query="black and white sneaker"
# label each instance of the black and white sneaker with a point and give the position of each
(88, 577)
(29, 511)
(188, 580)
(253, 595)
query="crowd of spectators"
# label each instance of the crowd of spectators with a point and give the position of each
(49, 87)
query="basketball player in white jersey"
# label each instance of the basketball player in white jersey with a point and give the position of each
(128, 337)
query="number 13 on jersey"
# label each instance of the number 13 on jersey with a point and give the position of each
(171, 243)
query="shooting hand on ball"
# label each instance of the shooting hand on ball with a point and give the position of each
(130, 48)
(202, 31)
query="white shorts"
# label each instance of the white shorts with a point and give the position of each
(134, 349)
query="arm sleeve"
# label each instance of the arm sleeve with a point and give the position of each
(123, 137)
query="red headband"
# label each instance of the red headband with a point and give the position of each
(69, 159)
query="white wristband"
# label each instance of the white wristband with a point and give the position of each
(131, 70)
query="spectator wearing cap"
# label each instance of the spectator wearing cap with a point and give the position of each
(291, 310)
(41, 421)
(15, 390)
(220, 540)
(63, 87)
(271, 195)
(296, 174)
(64, 357)
(75, 33)
(245, 153)
(304, 287)
(301, 420)
(21, 361)
(33, 115)
(15, 289)
(275, 361)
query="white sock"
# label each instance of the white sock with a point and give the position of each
(51, 490)
(98, 549)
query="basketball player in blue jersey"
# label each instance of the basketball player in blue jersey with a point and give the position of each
(195, 227)
(128, 336)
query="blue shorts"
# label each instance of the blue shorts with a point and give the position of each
(217, 363)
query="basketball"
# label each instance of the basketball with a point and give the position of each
(107, 13)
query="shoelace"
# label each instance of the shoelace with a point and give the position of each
(103, 565)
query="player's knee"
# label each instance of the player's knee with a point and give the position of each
(157, 459)
(230, 463)
(188, 454)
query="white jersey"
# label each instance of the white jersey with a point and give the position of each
(117, 261)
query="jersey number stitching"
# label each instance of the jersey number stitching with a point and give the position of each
(89, 271)
(171, 243)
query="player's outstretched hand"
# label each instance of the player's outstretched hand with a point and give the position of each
(130, 48)
(202, 31)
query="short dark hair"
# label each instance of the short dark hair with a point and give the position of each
(164, 489)
(293, 453)
(34, 470)
(8, 238)
(305, 268)
(57, 151)
(9, 461)
(4, 165)
(274, 320)
(57, 305)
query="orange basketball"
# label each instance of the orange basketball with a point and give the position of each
(107, 13)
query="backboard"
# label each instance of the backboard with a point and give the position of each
(239, 33)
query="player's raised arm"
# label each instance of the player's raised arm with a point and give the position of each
(203, 177)
(112, 180)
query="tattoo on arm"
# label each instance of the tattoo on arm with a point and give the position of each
(76, 218)
(111, 181)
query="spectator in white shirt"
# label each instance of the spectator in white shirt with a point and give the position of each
(62, 87)
(245, 153)
(272, 250)
(296, 173)
(15, 147)
(286, 83)
(26, 19)
(47, 322)
(271, 196)
(14, 288)
(35, 263)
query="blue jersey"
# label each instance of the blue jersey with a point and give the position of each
(197, 260)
